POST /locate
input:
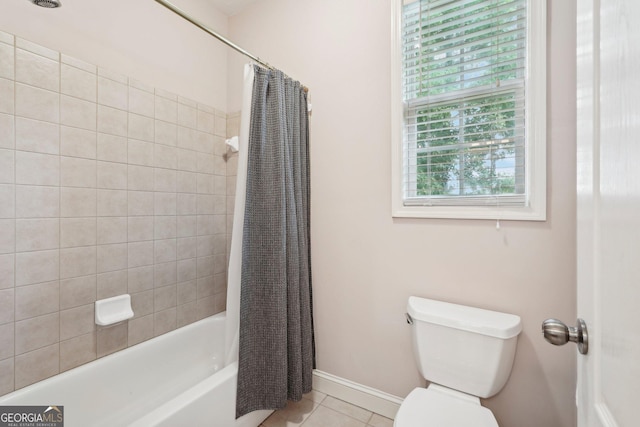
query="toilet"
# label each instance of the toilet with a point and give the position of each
(466, 353)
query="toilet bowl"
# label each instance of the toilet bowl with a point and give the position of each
(466, 353)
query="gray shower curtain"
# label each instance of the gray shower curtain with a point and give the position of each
(276, 349)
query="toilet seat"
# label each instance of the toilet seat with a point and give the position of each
(434, 407)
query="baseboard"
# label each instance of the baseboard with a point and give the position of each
(357, 394)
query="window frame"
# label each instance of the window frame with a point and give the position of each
(535, 130)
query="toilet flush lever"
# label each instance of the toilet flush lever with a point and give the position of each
(557, 333)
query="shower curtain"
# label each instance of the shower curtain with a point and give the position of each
(276, 351)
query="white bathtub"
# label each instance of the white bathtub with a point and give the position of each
(174, 380)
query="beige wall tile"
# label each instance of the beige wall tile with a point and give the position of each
(140, 228)
(187, 204)
(37, 332)
(140, 254)
(141, 102)
(140, 329)
(7, 61)
(112, 121)
(77, 142)
(7, 130)
(37, 234)
(37, 300)
(165, 321)
(165, 274)
(164, 297)
(187, 160)
(7, 305)
(77, 232)
(36, 135)
(206, 245)
(165, 180)
(140, 178)
(77, 262)
(36, 70)
(140, 203)
(166, 109)
(140, 279)
(206, 122)
(7, 236)
(165, 203)
(186, 225)
(164, 250)
(206, 306)
(37, 168)
(112, 257)
(112, 284)
(186, 314)
(77, 291)
(78, 113)
(112, 94)
(37, 202)
(112, 230)
(112, 203)
(187, 116)
(77, 351)
(165, 157)
(166, 133)
(206, 286)
(37, 267)
(141, 128)
(165, 227)
(205, 266)
(36, 103)
(7, 201)
(112, 148)
(140, 152)
(7, 370)
(6, 340)
(7, 90)
(7, 276)
(77, 321)
(142, 303)
(77, 172)
(37, 49)
(186, 270)
(112, 339)
(75, 62)
(112, 175)
(187, 248)
(187, 182)
(187, 292)
(78, 83)
(77, 202)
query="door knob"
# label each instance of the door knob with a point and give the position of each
(557, 333)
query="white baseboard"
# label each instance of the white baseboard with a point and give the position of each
(357, 394)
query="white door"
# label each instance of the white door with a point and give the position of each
(608, 62)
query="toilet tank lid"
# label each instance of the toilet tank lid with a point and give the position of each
(472, 319)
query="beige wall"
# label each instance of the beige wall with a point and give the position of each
(365, 263)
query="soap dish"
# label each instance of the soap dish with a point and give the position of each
(113, 310)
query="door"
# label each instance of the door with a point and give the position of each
(608, 78)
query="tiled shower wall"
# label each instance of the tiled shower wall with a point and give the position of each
(107, 186)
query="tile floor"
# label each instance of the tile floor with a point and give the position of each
(319, 410)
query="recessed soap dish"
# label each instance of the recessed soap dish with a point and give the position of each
(113, 310)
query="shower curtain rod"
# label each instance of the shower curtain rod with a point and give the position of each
(220, 37)
(203, 27)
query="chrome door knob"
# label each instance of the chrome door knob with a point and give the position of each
(557, 333)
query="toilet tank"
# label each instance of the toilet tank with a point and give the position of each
(464, 348)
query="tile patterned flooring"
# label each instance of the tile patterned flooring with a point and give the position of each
(319, 410)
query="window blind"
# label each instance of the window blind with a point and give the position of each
(464, 67)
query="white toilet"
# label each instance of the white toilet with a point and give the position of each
(466, 353)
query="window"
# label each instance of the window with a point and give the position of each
(470, 117)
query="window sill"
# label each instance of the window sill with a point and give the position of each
(472, 212)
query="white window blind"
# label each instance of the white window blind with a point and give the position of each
(464, 69)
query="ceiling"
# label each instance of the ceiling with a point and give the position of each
(231, 7)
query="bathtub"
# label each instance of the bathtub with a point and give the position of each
(177, 379)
